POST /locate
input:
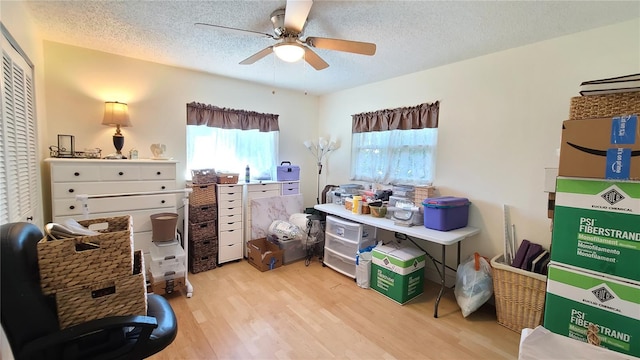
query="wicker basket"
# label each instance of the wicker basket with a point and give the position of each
(121, 296)
(202, 230)
(204, 176)
(105, 256)
(227, 178)
(202, 213)
(519, 295)
(601, 106)
(202, 263)
(203, 247)
(202, 194)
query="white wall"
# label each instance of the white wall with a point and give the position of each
(79, 81)
(500, 121)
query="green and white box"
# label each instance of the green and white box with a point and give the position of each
(397, 273)
(596, 226)
(584, 305)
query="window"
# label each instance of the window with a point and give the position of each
(396, 146)
(18, 151)
(231, 150)
(395, 156)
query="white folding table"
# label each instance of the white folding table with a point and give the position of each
(443, 238)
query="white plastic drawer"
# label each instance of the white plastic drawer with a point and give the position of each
(343, 228)
(225, 209)
(339, 263)
(71, 189)
(66, 173)
(119, 173)
(158, 172)
(237, 196)
(263, 187)
(226, 189)
(229, 252)
(226, 225)
(290, 188)
(341, 245)
(263, 194)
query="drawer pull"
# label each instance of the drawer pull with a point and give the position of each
(159, 173)
(162, 201)
(72, 207)
(163, 187)
(71, 190)
(120, 173)
(76, 173)
(30, 218)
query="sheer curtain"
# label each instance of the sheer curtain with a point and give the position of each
(396, 146)
(229, 140)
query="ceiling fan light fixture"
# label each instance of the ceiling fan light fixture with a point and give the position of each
(289, 52)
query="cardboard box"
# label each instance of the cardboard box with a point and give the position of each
(593, 308)
(596, 226)
(397, 273)
(264, 255)
(606, 148)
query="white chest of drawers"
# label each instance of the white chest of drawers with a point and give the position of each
(70, 177)
(229, 222)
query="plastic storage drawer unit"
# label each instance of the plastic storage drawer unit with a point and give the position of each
(340, 263)
(344, 246)
(349, 230)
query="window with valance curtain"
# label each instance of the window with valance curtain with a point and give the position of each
(395, 146)
(228, 140)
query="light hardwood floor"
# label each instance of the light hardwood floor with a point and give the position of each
(299, 312)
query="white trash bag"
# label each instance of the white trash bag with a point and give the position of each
(474, 284)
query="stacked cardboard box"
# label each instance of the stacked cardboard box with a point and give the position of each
(593, 287)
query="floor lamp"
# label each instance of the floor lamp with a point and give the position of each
(320, 150)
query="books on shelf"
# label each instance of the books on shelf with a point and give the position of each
(618, 84)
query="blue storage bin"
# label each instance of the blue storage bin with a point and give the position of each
(446, 213)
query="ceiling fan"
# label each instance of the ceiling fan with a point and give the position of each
(288, 25)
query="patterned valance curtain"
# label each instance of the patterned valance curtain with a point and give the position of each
(422, 116)
(213, 116)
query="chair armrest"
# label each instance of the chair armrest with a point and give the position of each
(76, 332)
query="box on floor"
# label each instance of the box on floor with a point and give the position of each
(264, 255)
(594, 308)
(397, 273)
(596, 226)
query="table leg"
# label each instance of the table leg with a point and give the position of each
(435, 312)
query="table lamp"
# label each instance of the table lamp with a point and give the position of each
(116, 114)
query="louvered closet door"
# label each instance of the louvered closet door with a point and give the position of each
(18, 139)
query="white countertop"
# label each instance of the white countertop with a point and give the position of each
(419, 232)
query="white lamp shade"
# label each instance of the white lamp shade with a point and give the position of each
(116, 113)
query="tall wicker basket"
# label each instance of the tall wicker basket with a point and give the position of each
(519, 295)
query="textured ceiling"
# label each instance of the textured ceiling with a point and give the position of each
(410, 35)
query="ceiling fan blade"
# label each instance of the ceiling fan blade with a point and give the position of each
(230, 29)
(296, 12)
(355, 47)
(314, 60)
(257, 56)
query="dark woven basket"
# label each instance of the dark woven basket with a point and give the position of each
(202, 213)
(203, 247)
(204, 176)
(202, 263)
(203, 230)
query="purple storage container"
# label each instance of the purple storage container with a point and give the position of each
(446, 213)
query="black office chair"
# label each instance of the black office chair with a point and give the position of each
(31, 325)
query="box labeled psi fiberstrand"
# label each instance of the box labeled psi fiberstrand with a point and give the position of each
(397, 273)
(605, 148)
(596, 226)
(593, 308)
